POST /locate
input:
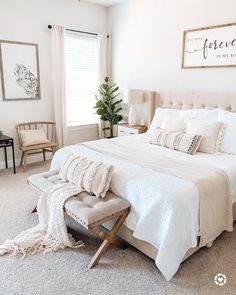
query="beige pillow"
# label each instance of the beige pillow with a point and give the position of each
(211, 133)
(178, 141)
(32, 137)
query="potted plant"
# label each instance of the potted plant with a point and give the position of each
(107, 105)
(1, 133)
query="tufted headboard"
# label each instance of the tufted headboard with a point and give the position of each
(189, 100)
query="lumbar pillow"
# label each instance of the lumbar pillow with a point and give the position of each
(211, 133)
(228, 144)
(33, 136)
(176, 140)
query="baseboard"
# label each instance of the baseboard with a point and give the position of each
(30, 159)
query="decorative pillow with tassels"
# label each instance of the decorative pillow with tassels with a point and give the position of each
(93, 177)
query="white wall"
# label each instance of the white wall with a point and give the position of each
(27, 21)
(147, 44)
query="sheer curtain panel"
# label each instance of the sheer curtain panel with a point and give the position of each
(103, 68)
(58, 82)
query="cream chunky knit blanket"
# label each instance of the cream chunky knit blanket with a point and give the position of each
(79, 174)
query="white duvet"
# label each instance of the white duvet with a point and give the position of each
(164, 208)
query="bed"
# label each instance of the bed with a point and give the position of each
(177, 238)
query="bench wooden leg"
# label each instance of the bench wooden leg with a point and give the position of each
(100, 252)
(109, 238)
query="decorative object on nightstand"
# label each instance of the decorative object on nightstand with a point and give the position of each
(126, 130)
(6, 141)
(133, 96)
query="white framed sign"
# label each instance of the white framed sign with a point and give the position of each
(210, 47)
(19, 68)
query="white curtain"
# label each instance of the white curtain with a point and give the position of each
(103, 67)
(58, 82)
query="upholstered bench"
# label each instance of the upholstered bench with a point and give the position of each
(89, 211)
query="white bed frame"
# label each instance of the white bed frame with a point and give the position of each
(178, 100)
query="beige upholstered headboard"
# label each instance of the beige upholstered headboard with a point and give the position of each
(189, 100)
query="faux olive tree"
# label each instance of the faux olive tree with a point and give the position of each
(107, 105)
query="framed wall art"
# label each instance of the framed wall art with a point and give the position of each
(210, 47)
(19, 68)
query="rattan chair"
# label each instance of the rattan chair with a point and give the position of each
(49, 129)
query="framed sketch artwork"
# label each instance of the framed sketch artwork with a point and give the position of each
(210, 47)
(19, 67)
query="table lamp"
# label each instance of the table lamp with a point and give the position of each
(131, 97)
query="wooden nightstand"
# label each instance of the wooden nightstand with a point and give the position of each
(125, 130)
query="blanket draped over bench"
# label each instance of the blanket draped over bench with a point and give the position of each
(79, 174)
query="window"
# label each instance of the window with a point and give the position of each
(81, 76)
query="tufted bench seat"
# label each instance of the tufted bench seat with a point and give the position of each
(89, 211)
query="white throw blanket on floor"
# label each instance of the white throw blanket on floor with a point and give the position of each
(80, 174)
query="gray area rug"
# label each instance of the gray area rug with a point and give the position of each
(119, 272)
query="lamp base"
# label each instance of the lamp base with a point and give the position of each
(132, 116)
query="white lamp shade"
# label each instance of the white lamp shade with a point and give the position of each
(133, 96)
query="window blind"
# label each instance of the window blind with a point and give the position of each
(81, 59)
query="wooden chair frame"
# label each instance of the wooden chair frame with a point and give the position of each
(49, 128)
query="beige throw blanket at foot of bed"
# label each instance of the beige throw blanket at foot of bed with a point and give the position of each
(215, 204)
(79, 174)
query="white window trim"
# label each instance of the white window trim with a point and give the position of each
(82, 126)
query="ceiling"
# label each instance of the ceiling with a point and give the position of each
(106, 2)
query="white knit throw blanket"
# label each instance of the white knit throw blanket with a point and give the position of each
(79, 174)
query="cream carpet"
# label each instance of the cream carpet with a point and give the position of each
(119, 272)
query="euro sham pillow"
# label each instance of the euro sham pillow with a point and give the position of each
(228, 144)
(211, 133)
(33, 136)
(162, 115)
(179, 141)
(173, 124)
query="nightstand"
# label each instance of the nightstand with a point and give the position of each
(125, 130)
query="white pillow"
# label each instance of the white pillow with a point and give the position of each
(162, 113)
(171, 123)
(33, 136)
(228, 144)
(171, 120)
(204, 114)
(211, 133)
